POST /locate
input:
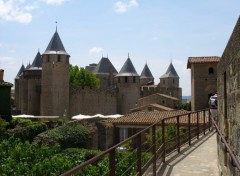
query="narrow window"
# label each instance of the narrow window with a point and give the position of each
(134, 79)
(59, 58)
(118, 79)
(210, 70)
(126, 79)
(48, 58)
(173, 80)
(163, 81)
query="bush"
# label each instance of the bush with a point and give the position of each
(26, 133)
(67, 136)
(22, 122)
(3, 126)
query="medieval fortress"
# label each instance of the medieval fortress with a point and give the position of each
(42, 88)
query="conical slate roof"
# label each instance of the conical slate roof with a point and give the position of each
(105, 66)
(37, 61)
(171, 72)
(128, 69)
(28, 66)
(20, 71)
(55, 46)
(146, 73)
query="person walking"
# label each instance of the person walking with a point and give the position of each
(213, 107)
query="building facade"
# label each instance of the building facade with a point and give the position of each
(203, 80)
(42, 88)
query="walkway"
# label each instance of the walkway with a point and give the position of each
(199, 159)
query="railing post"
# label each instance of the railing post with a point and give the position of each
(204, 121)
(163, 139)
(189, 129)
(112, 164)
(198, 125)
(139, 155)
(154, 149)
(178, 135)
(209, 120)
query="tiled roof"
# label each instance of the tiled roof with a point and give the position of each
(146, 73)
(161, 95)
(144, 118)
(205, 59)
(155, 106)
(105, 66)
(171, 72)
(127, 69)
(55, 46)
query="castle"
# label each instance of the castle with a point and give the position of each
(42, 88)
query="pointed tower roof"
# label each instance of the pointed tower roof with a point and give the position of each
(28, 66)
(20, 71)
(55, 46)
(171, 72)
(105, 66)
(146, 73)
(37, 62)
(128, 69)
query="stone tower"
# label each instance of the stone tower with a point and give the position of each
(169, 83)
(17, 99)
(128, 83)
(55, 79)
(203, 80)
(105, 72)
(146, 76)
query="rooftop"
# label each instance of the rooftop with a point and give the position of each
(200, 60)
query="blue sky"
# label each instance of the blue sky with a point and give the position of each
(152, 31)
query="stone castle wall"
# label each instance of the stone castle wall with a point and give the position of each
(204, 84)
(229, 100)
(90, 101)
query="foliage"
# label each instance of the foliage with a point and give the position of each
(26, 130)
(21, 122)
(79, 77)
(3, 126)
(69, 135)
(18, 158)
(185, 106)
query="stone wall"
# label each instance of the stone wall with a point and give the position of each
(90, 102)
(204, 84)
(229, 100)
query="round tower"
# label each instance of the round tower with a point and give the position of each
(55, 79)
(128, 84)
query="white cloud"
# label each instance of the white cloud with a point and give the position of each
(95, 50)
(15, 10)
(122, 7)
(54, 2)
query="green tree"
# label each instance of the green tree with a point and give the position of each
(79, 77)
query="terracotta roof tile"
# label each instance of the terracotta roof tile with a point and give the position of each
(205, 59)
(148, 118)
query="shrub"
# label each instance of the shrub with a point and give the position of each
(26, 133)
(67, 136)
(3, 125)
(22, 122)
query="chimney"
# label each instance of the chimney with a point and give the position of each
(1, 75)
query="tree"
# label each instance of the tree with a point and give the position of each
(79, 77)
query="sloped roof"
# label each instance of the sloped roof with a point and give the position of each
(28, 66)
(145, 118)
(200, 60)
(146, 73)
(55, 46)
(37, 62)
(20, 71)
(105, 66)
(127, 69)
(171, 72)
(154, 105)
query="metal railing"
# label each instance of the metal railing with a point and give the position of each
(235, 161)
(149, 147)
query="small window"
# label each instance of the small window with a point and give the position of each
(134, 79)
(210, 70)
(173, 80)
(118, 79)
(163, 102)
(59, 58)
(163, 81)
(126, 79)
(67, 60)
(48, 58)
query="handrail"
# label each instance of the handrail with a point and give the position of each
(233, 157)
(155, 150)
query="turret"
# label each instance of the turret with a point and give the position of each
(55, 79)
(18, 88)
(146, 76)
(105, 72)
(170, 79)
(128, 83)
